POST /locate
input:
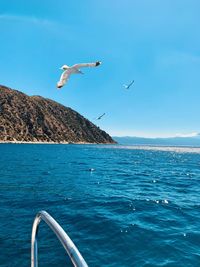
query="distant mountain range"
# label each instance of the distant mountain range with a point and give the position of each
(171, 141)
(36, 119)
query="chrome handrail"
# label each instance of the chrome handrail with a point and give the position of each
(67, 243)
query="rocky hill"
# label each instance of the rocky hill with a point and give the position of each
(36, 119)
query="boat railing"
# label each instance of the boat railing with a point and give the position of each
(65, 240)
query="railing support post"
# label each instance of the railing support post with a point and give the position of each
(65, 240)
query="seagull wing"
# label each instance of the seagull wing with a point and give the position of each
(84, 65)
(129, 85)
(101, 116)
(63, 79)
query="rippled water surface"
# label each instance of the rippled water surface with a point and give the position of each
(138, 207)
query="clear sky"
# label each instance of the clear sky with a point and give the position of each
(154, 42)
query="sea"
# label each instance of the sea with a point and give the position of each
(121, 205)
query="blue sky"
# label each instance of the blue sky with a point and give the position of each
(156, 43)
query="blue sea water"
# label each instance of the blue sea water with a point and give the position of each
(139, 207)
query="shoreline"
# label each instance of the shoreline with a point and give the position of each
(121, 146)
(53, 143)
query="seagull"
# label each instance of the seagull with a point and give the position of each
(98, 118)
(129, 85)
(75, 69)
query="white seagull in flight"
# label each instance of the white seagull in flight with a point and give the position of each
(75, 69)
(128, 85)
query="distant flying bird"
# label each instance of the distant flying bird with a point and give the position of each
(75, 69)
(98, 118)
(127, 86)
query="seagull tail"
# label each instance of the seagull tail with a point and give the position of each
(98, 63)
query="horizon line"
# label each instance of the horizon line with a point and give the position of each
(159, 137)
